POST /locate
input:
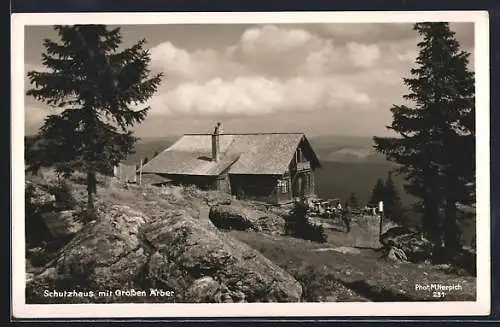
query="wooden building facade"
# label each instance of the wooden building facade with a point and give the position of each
(270, 167)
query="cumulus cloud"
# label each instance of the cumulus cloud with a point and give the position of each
(287, 68)
(271, 39)
(363, 55)
(275, 50)
(198, 65)
(363, 33)
(290, 51)
(257, 95)
(270, 68)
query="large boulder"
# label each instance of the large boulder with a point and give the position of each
(388, 224)
(63, 223)
(127, 250)
(226, 216)
(272, 224)
(206, 289)
(186, 252)
(390, 236)
(415, 246)
(240, 217)
(105, 254)
(38, 201)
(39, 198)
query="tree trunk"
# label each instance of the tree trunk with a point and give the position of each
(91, 190)
(432, 227)
(450, 230)
(430, 221)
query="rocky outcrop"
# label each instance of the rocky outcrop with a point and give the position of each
(272, 224)
(234, 217)
(392, 234)
(63, 223)
(126, 250)
(239, 217)
(207, 289)
(388, 224)
(185, 252)
(396, 254)
(39, 198)
(105, 254)
(38, 201)
(404, 244)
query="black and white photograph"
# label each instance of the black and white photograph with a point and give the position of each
(301, 165)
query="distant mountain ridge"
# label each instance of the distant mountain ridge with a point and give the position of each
(345, 149)
(328, 148)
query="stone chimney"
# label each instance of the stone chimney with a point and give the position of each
(216, 142)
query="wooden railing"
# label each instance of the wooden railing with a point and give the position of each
(301, 166)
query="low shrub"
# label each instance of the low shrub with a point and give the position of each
(63, 192)
(298, 225)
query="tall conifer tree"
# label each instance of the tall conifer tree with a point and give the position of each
(97, 87)
(378, 192)
(393, 207)
(436, 147)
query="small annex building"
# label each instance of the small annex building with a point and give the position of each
(269, 167)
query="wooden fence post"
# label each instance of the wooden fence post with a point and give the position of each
(381, 213)
(140, 173)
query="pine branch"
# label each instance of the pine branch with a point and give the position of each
(95, 86)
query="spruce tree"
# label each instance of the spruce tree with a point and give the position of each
(378, 192)
(97, 87)
(436, 147)
(393, 207)
(353, 201)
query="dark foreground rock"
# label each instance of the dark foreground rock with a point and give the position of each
(39, 198)
(38, 201)
(413, 245)
(184, 252)
(239, 217)
(126, 250)
(63, 223)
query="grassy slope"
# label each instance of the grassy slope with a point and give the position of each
(354, 277)
(326, 276)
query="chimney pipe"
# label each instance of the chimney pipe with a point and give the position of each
(216, 142)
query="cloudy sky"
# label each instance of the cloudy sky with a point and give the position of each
(321, 79)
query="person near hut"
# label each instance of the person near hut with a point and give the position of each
(346, 219)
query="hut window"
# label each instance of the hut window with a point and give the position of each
(300, 156)
(283, 185)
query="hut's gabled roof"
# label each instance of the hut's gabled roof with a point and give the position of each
(264, 153)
